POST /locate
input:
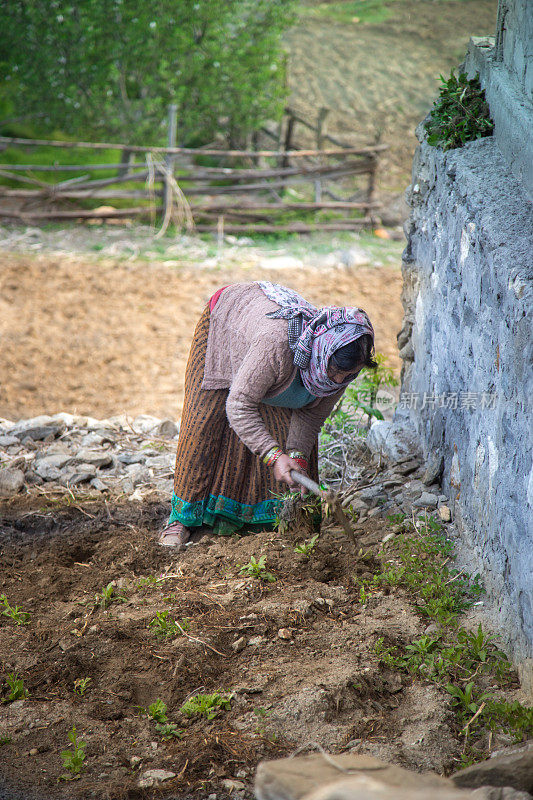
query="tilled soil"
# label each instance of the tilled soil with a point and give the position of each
(104, 337)
(297, 654)
(381, 79)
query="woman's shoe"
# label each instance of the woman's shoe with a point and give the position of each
(174, 535)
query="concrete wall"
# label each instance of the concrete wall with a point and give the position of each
(467, 346)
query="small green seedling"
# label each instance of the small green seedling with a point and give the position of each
(168, 730)
(108, 596)
(206, 705)
(256, 569)
(16, 688)
(158, 711)
(4, 739)
(18, 616)
(81, 685)
(261, 714)
(467, 700)
(306, 548)
(73, 759)
(164, 627)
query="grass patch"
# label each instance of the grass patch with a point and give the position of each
(467, 664)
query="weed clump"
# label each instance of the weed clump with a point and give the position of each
(74, 757)
(460, 114)
(14, 613)
(206, 705)
(467, 664)
(257, 569)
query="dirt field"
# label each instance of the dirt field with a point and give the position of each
(382, 77)
(296, 654)
(104, 337)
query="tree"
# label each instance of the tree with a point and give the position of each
(109, 68)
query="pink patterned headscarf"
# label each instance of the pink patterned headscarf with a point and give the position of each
(315, 334)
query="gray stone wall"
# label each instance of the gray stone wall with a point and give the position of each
(514, 41)
(467, 349)
(505, 67)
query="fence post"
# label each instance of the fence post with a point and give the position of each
(169, 158)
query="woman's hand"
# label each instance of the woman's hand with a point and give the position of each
(282, 472)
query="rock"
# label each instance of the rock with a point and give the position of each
(7, 440)
(239, 644)
(434, 469)
(445, 514)
(498, 793)
(131, 458)
(154, 777)
(426, 500)
(145, 423)
(167, 428)
(284, 633)
(82, 473)
(512, 766)
(354, 257)
(254, 641)
(99, 485)
(232, 785)
(33, 752)
(295, 778)
(37, 428)
(11, 482)
(135, 761)
(137, 473)
(392, 440)
(94, 457)
(49, 467)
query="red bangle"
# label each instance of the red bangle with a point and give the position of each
(300, 459)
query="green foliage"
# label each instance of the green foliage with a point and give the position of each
(16, 688)
(73, 758)
(206, 705)
(108, 596)
(109, 69)
(467, 699)
(81, 685)
(158, 711)
(306, 548)
(164, 627)
(167, 730)
(357, 408)
(256, 569)
(459, 660)
(460, 114)
(4, 739)
(18, 616)
(361, 396)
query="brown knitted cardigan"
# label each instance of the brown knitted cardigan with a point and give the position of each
(249, 353)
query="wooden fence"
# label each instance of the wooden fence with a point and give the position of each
(248, 191)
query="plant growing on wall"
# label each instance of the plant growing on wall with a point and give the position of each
(460, 114)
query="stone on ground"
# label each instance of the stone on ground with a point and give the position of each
(512, 766)
(11, 482)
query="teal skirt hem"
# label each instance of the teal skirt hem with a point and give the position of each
(223, 514)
